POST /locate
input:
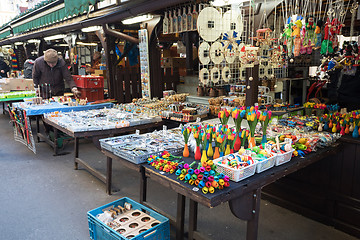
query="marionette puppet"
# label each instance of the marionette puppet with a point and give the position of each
(303, 39)
(327, 44)
(317, 32)
(296, 35)
(287, 36)
(310, 31)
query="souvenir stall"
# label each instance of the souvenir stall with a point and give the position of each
(221, 163)
(266, 72)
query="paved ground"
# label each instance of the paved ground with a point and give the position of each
(42, 197)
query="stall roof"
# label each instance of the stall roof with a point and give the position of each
(43, 21)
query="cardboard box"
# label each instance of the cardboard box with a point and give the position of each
(16, 84)
(100, 72)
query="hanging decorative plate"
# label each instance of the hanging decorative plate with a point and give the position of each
(204, 76)
(226, 74)
(230, 51)
(215, 74)
(242, 52)
(204, 53)
(11, 51)
(233, 24)
(216, 52)
(209, 24)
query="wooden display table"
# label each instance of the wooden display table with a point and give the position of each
(98, 133)
(243, 197)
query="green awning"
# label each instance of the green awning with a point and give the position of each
(5, 34)
(76, 7)
(45, 20)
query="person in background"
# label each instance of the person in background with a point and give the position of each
(28, 66)
(49, 73)
(96, 61)
(4, 68)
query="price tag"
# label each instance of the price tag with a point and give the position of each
(288, 140)
(164, 128)
(137, 132)
(248, 152)
(256, 104)
(195, 189)
(198, 120)
(162, 173)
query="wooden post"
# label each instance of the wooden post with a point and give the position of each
(156, 74)
(252, 92)
(189, 54)
(110, 69)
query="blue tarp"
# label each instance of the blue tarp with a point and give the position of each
(33, 110)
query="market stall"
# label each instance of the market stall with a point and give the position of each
(97, 123)
(34, 108)
(275, 68)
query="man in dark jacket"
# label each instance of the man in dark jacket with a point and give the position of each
(4, 68)
(49, 73)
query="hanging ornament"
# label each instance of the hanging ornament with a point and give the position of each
(226, 74)
(209, 24)
(204, 53)
(215, 74)
(232, 24)
(204, 76)
(216, 53)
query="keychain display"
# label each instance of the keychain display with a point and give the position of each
(144, 63)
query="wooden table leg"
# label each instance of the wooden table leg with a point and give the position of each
(108, 174)
(180, 217)
(56, 141)
(76, 152)
(37, 128)
(193, 210)
(3, 104)
(143, 185)
(247, 208)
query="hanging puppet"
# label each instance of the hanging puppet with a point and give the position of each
(288, 40)
(327, 44)
(296, 34)
(319, 24)
(310, 31)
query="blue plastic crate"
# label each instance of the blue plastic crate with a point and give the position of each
(100, 231)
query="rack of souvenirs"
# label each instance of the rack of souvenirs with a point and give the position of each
(138, 148)
(263, 93)
(99, 119)
(221, 153)
(172, 107)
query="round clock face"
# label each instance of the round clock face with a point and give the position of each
(216, 52)
(204, 76)
(209, 24)
(233, 24)
(204, 53)
(215, 75)
(226, 74)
